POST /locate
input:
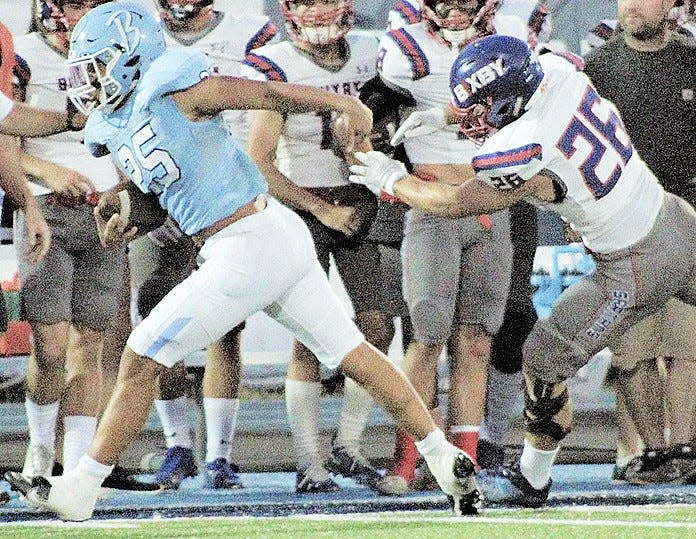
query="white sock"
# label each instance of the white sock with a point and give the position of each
(90, 473)
(503, 391)
(302, 400)
(357, 404)
(174, 415)
(220, 422)
(41, 419)
(78, 435)
(535, 464)
(431, 442)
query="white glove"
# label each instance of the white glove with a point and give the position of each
(379, 173)
(420, 123)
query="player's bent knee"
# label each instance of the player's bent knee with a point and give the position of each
(549, 355)
(547, 411)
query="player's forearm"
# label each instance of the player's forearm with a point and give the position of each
(436, 198)
(287, 192)
(470, 198)
(297, 98)
(25, 121)
(12, 178)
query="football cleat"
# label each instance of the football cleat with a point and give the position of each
(64, 496)
(177, 466)
(506, 485)
(352, 464)
(313, 479)
(455, 472)
(221, 474)
(119, 479)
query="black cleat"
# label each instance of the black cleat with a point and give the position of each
(506, 485)
(119, 479)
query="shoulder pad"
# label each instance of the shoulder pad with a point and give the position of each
(174, 70)
(262, 37)
(411, 50)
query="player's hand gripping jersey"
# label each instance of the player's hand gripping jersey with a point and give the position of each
(297, 154)
(198, 184)
(605, 191)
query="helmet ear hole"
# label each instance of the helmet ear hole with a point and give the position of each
(133, 61)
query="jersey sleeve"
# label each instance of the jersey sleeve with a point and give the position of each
(171, 72)
(401, 60)
(508, 168)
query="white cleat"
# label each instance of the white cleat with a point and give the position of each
(66, 497)
(455, 472)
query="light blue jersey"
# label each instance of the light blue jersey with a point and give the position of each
(196, 169)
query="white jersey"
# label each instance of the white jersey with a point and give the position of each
(304, 152)
(609, 195)
(415, 62)
(226, 45)
(48, 89)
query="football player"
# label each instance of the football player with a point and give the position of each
(306, 168)
(70, 296)
(445, 308)
(163, 258)
(545, 134)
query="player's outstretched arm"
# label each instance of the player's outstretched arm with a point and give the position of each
(385, 175)
(218, 93)
(26, 121)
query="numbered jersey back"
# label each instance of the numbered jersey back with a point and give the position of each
(610, 196)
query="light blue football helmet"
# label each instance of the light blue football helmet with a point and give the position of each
(111, 47)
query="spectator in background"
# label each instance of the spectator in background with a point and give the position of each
(165, 257)
(659, 111)
(306, 168)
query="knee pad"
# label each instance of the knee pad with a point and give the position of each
(547, 409)
(431, 320)
(506, 347)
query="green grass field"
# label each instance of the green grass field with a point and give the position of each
(652, 522)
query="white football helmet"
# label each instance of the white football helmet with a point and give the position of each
(459, 22)
(317, 22)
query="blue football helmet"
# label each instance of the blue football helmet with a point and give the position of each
(110, 49)
(491, 83)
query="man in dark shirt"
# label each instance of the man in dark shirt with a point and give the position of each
(649, 72)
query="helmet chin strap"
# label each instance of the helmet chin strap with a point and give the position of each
(459, 38)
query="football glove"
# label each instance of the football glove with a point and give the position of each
(420, 123)
(378, 172)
